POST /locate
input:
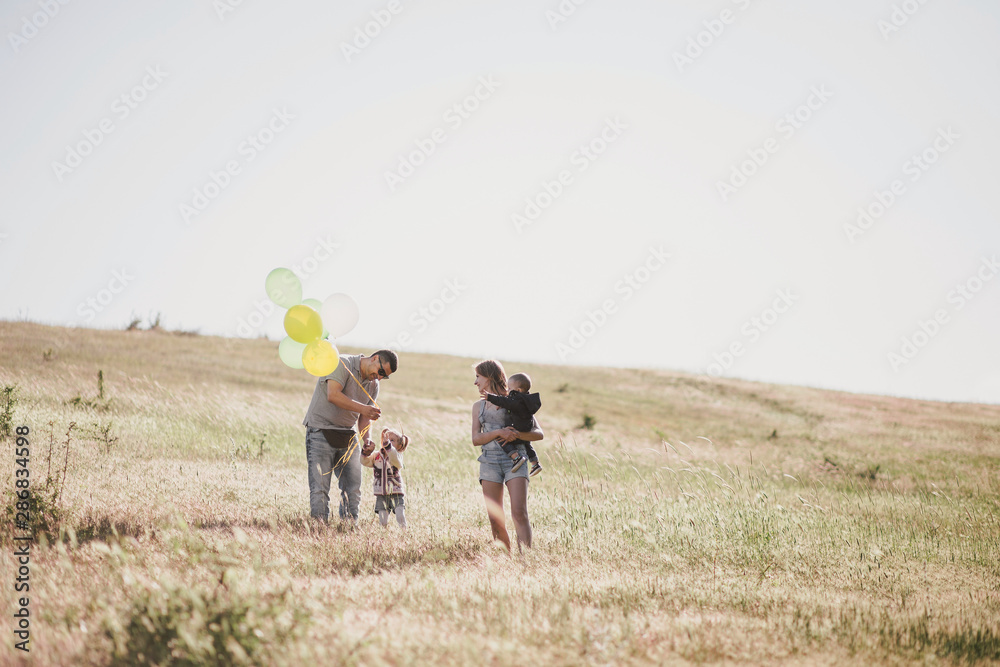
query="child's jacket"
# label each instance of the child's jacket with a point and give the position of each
(386, 464)
(521, 407)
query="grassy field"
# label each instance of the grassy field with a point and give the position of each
(697, 520)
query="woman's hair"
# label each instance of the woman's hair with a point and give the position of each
(404, 440)
(493, 371)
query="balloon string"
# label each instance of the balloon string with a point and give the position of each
(374, 402)
(355, 441)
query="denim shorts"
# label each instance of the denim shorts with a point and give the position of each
(495, 464)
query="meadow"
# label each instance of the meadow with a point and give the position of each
(679, 519)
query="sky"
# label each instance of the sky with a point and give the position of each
(791, 192)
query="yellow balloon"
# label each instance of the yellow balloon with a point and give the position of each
(320, 358)
(316, 305)
(303, 324)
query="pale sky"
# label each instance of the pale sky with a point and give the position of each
(120, 117)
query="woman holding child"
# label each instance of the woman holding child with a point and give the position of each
(496, 466)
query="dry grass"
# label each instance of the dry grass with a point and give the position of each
(699, 521)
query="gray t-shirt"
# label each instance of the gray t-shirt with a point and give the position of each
(324, 414)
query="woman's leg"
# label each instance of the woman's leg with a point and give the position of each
(493, 495)
(518, 489)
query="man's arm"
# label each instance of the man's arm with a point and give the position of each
(335, 394)
(365, 423)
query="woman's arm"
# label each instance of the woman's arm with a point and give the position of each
(480, 439)
(534, 434)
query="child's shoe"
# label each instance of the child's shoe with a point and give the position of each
(536, 468)
(518, 462)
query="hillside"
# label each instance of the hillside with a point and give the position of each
(697, 520)
(630, 407)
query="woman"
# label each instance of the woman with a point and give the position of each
(488, 431)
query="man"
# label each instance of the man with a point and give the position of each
(342, 400)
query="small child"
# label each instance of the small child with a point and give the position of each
(386, 464)
(521, 405)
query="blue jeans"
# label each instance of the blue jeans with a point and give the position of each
(346, 465)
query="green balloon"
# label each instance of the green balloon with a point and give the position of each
(283, 287)
(290, 352)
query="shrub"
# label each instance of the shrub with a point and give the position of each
(43, 506)
(102, 433)
(229, 623)
(101, 404)
(8, 401)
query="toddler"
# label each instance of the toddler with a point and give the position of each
(521, 405)
(386, 464)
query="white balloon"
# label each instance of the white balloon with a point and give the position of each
(339, 313)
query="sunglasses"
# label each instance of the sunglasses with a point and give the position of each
(381, 372)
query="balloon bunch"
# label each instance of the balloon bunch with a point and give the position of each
(310, 324)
